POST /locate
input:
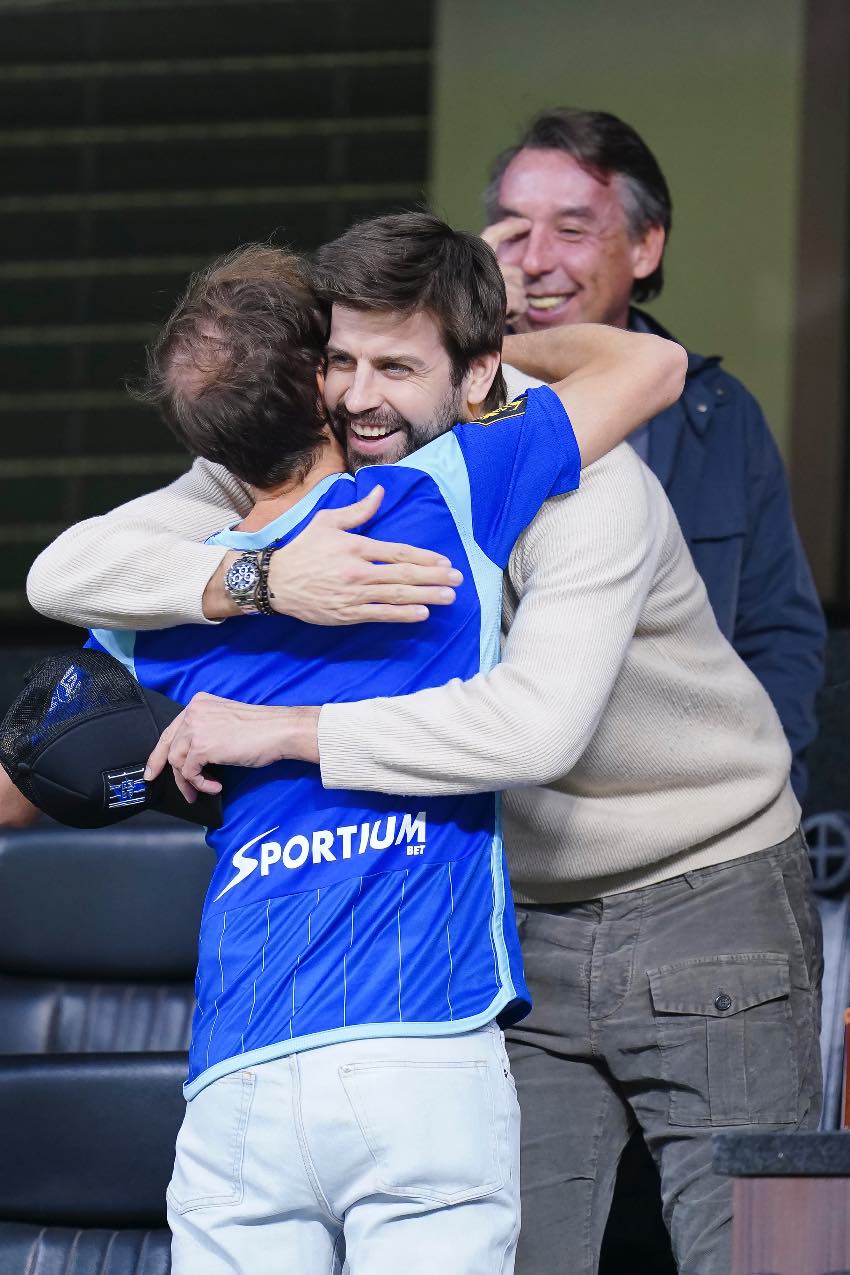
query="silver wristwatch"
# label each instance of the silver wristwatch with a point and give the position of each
(242, 581)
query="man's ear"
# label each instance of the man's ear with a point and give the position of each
(647, 252)
(321, 404)
(476, 384)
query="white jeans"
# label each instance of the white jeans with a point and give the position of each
(397, 1156)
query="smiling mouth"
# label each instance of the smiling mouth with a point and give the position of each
(372, 431)
(550, 302)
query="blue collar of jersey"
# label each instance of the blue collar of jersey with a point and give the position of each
(279, 526)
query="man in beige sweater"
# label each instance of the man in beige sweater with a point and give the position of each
(670, 943)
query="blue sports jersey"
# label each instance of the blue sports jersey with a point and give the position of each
(333, 915)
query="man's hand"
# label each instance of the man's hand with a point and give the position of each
(212, 730)
(497, 234)
(328, 576)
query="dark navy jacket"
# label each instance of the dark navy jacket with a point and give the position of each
(716, 459)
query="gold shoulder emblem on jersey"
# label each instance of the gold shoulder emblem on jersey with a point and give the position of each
(515, 408)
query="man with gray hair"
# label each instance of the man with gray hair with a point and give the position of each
(579, 216)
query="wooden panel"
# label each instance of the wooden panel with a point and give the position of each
(791, 1226)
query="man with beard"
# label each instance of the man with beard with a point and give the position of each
(348, 1084)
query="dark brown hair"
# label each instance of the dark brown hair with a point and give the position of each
(605, 146)
(413, 261)
(233, 370)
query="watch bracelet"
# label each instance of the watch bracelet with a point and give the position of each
(262, 598)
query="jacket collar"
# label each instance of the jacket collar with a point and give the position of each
(640, 321)
(694, 409)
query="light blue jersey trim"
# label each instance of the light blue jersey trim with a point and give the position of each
(336, 1035)
(497, 873)
(121, 644)
(279, 527)
(442, 459)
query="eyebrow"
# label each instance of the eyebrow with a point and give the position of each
(579, 213)
(417, 364)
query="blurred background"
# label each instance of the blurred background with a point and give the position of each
(139, 138)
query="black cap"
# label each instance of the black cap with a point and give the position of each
(76, 740)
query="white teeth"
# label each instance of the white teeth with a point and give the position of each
(371, 431)
(546, 303)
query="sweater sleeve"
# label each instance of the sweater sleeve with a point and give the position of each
(582, 572)
(143, 565)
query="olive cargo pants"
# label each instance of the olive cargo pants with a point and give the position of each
(687, 1007)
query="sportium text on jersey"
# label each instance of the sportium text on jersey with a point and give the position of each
(300, 850)
(335, 915)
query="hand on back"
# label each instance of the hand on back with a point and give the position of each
(328, 575)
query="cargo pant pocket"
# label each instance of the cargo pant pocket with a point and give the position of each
(432, 1128)
(726, 1039)
(211, 1145)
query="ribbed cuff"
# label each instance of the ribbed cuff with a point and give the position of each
(344, 757)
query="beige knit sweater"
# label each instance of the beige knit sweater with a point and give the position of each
(655, 748)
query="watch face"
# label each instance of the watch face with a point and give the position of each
(242, 578)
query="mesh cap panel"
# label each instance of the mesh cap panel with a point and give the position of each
(62, 690)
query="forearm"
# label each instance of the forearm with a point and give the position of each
(497, 731)
(525, 722)
(610, 381)
(551, 356)
(212, 730)
(144, 564)
(95, 576)
(564, 351)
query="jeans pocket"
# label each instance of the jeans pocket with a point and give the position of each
(726, 1038)
(211, 1145)
(793, 882)
(433, 1129)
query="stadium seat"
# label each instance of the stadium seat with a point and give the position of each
(98, 937)
(88, 1146)
(98, 941)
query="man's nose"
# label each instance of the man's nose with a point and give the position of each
(539, 256)
(362, 394)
